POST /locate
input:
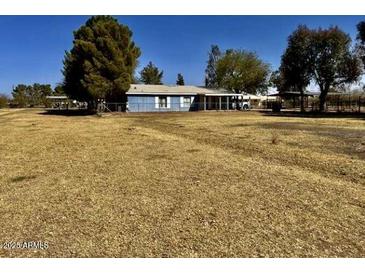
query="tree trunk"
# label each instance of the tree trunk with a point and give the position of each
(91, 106)
(302, 100)
(322, 98)
(124, 102)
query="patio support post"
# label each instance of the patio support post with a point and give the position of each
(220, 102)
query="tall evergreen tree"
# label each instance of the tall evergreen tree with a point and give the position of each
(180, 80)
(211, 70)
(151, 75)
(102, 61)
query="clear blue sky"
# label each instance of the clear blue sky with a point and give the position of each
(32, 47)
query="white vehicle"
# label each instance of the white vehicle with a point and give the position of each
(241, 102)
(245, 105)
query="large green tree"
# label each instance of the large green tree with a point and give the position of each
(37, 94)
(102, 61)
(242, 71)
(58, 90)
(295, 67)
(31, 95)
(333, 61)
(324, 56)
(361, 41)
(19, 94)
(278, 81)
(151, 75)
(211, 69)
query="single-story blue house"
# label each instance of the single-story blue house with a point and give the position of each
(163, 98)
(157, 98)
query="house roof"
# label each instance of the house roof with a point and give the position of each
(253, 96)
(137, 89)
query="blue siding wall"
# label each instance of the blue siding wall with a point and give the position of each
(146, 103)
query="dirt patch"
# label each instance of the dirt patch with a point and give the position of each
(193, 150)
(22, 178)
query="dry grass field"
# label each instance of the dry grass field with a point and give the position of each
(226, 184)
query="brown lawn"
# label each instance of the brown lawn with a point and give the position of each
(218, 184)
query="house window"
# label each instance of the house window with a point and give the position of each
(186, 101)
(162, 101)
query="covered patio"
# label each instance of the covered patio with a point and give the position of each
(222, 101)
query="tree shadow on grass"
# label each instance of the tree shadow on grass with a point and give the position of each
(312, 114)
(69, 112)
(22, 178)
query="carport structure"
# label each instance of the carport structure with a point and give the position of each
(222, 101)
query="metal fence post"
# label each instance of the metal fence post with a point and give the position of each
(359, 103)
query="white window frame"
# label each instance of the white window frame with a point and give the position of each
(187, 103)
(168, 102)
(158, 103)
(182, 103)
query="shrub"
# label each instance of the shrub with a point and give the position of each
(3, 101)
(275, 139)
(276, 106)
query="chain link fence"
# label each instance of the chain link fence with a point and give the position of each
(334, 103)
